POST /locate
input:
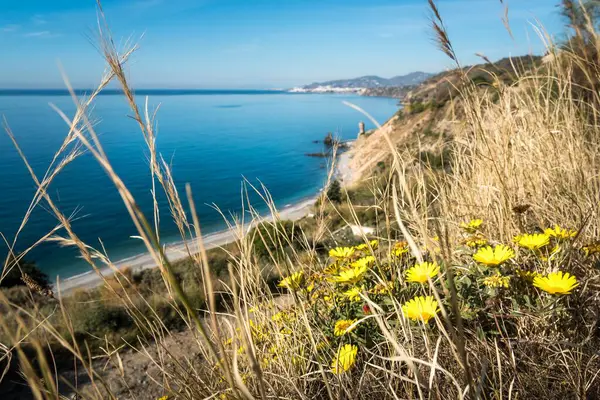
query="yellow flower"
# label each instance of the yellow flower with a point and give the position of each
(401, 245)
(553, 253)
(344, 359)
(322, 345)
(343, 326)
(382, 288)
(279, 317)
(533, 241)
(364, 246)
(163, 398)
(285, 331)
(497, 280)
(495, 256)
(353, 294)
(366, 261)
(472, 226)
(399, 249)
(351, 275)
(420, 308)
(527, 275)
(331, 269)
(258, 333)
(265, 362)
(556, 283)
(475, 241)
(293, 281)
(591, 249)
(341, 252)
(560, 233)
(420, 272)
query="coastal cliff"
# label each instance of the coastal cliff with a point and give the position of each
(431, 113)
(394, 92)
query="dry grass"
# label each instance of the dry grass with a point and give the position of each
(524, 157)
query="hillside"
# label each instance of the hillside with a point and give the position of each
(427, 122)
(395, 92)
(372, 81)
(442, 87)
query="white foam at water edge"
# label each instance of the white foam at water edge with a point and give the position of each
(77, 276)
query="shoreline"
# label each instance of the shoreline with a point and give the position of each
(177, 251)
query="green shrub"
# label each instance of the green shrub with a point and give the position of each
(334, 192)
(13, 277)
(436, 104)
(436, 160)
(99, 319)
(428, 132)
(274, 239)
(17, 294)
(417, 107)
(360, 195)
(481, 80)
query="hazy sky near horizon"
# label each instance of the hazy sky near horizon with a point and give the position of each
(257, 43)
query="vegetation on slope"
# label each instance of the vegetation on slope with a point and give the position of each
(480, 281)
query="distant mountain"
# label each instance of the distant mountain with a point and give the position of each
(372, 81)
(414, 78)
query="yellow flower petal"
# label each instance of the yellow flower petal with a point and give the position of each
(533, 241)
(344, 359)
(591, 249)
(400, 249)
(351, 275)
(420, 308)
(556, 283)
(341, 253)
(343, 326)
(493, 256)
(364, 261)
(293, 281)
(353, 294)
(420, 272)
(472, 226)
(560, 233)
(497, 280)
(476, 240)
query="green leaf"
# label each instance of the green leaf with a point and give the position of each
(467, 281)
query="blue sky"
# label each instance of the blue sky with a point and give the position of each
(257, 43)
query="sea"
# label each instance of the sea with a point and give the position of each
(218, 141)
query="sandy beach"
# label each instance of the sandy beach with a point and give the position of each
(343, 171)
(177, 251)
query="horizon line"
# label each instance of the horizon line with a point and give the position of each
(165, 91)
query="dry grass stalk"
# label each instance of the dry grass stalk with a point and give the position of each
(528, 159)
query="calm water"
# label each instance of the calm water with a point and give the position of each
(212, 139)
